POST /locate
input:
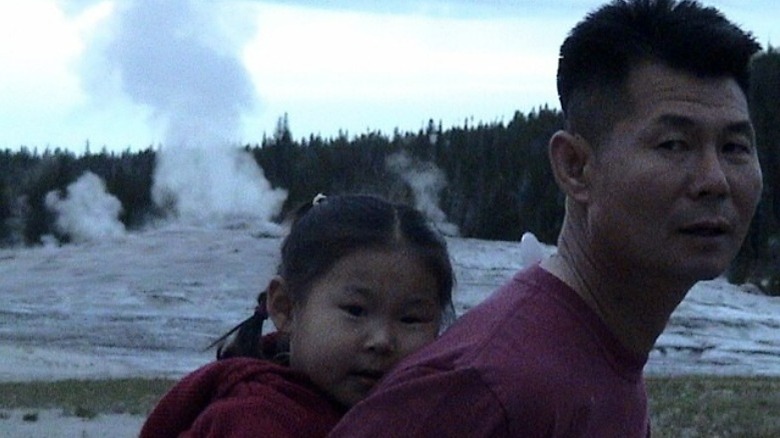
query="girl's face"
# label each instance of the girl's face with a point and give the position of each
(373, 308)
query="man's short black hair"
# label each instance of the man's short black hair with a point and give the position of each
(600, 52)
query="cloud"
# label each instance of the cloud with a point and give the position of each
(471, 9)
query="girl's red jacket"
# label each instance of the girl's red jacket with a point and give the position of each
(243, 397)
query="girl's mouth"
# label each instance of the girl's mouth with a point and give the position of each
(368, 377)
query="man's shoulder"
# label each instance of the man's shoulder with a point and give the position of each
(512, 303)
(495, 332)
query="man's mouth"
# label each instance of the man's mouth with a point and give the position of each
(704, 231)
(713, 228)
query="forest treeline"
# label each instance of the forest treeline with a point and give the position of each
(497, 183)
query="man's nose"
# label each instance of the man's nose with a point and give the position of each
(709, 179)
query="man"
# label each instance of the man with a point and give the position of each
(659, 167)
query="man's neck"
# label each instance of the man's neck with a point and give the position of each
(634, 305)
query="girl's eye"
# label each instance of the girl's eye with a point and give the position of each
(411, 320)
(416, 319)
(353, 309)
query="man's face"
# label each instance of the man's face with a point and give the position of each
(675, 185)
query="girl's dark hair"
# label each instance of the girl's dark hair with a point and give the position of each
(331, 228)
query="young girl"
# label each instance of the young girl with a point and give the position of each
(362, 283)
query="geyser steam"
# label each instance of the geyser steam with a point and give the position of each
(175, 58)
(426, 181)
(88, 212)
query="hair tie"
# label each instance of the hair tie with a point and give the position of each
(318, 199)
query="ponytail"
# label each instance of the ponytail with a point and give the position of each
(247, 341)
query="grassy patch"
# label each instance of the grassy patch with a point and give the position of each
(706, 406)
(85, 398)
(700, 406)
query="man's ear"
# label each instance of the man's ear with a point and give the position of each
(571, 159)
(279, 304)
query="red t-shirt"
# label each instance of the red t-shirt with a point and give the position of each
(242, 397)
(530, 361)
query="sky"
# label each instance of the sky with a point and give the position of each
(129, 74)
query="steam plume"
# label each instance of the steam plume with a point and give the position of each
(426, 181)
(176, 58)
(88, 212)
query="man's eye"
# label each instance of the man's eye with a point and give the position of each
(737, 148)
(673, 146)
(353, 309)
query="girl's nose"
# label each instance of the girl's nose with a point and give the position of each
(380, 338)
